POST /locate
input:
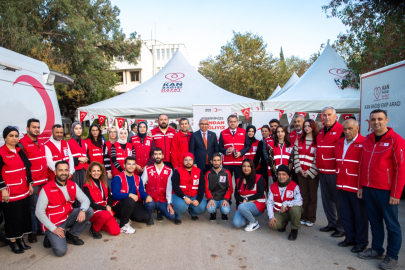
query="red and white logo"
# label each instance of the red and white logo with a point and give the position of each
(377, 93)
(101, 119)
(120, 122)
(246, 113)
(280, 113)
(313, 116)
(346, 116)
(303, 114)
(82, 116)
(290, 194)
(175, 77)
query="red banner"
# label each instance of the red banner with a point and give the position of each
(346, 116)
(82, 116)
(303, 114)
(140, 120)
(101, 119)
(280, 113)
(246, 113)
(120, 122)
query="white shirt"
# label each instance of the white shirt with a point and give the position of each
(169, 182)
(297, 201)
(346, 146)
(49, 159)
(202, 134)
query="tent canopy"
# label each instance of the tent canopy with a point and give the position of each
(173, 91)
(293, 79)
(278, 88)
(319, 87)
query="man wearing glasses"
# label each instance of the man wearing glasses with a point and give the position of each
(203, 144)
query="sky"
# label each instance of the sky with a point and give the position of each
(300, 27)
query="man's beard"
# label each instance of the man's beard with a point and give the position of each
(163, 125)
(33, 135)
(158, 161)
(216, 168)
(62, 178)
(188, 166)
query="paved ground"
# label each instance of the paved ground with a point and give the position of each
(200, 245)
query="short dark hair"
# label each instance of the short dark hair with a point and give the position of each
(379, 111)
(130, 158)
(56, 126)
(133, 126)
(184, 119)
(60, 163)
(31, 120)
(163, 114)
(173, 125)
(215, 155)
(232, 116)
(157, 149)
(274, 121)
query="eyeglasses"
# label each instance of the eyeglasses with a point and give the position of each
(188, 159)
(112, 132)
(13, 127)
(201, 124)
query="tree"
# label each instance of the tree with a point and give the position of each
(77, 37)
(375, 37)
(282, 71)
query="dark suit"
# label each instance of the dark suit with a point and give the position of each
(197, 148)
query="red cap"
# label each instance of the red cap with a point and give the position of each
(188, 155)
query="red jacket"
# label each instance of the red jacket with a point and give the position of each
(238, 141)
(163, 140)
(325, 154)
(157, 183)
(260, 203)
(36, 155)
(294, 136)
(382, 164)
(78, 151)
(57, 155)
(347, 169)
(180, 144)
(95, 153)
(96, 195)
(288, 195)
(142, 150)
(189, 182)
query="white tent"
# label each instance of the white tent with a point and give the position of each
(320, 86)
(173, 91)
(293, 79)
(278, 88)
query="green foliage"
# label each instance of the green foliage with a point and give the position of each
(77, 37)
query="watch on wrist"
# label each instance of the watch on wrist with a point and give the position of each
(82, 209)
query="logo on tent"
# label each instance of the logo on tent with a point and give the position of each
(340, 76)
(174, 84)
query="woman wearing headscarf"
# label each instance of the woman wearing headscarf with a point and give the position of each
(261, 159)
(112, 138)
(251, 132)
(15, 186)
(120, 150)
(95, 144)
(143, 146)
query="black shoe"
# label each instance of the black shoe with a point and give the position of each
(177, 221)
(94, 233)
(32, 238)
(293, 235)
(159, 216)
(71, 239)
(213, 217)
(358, 248)
(347, 243)
(39, 232)
(224, 217)
(327, 229)
(16, 248)
(193, 218)
(21, 244)
(388, 263)
(283, 229)
(338, 234)
(150, 222)
(47, 243)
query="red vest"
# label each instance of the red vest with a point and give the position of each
(269, 140)
(306, 156)
(157, 183)
(142, 151)
(36, 155)
(95, 153)
(325, 154)
(58, 208)
(288, 195)
(281, 156)
(121, 155)
(238, 141)
(294, 135)
(14, 174)
(78, 151)
(57, 155)
(252, 153)
(260, 203)
(125, 186)
(163, 141)
(347, 169)
(189, 182)
(96, 194)
(180, 146)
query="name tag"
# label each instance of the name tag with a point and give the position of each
(222, 179)
(196, 182)
(66, 152)
(313, 150)
(288, 150)
(254, 148)
(384, 144)
(165, 172)
(129, 152)
(289, 194)
(358, 145)
(147, 143)
(333, 133)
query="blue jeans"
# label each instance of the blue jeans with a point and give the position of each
(379, 211)
(218, 204)
(160, 206)
(35, 224)
(246, 211)
(180, 206)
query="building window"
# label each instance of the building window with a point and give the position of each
(158, 55)
(134, 76)
(167, 54)
(119, 58)
(172, 52)
(163, 54)
(121, 75)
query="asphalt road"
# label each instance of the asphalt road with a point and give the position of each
(201, 245)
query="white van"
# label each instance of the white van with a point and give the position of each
(27, 91)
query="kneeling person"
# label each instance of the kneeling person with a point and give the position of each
(128, 194)
(55, 211)
(157, 179)
(284, 203)
(218, 189)
(188, 185)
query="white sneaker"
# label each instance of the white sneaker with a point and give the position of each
(127, 229)
(309, 224)
(252, 227)
(303, 222)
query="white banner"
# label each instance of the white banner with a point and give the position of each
(337, 117)
(313, 116)
(357, 115)
(130, 122)
(92, 117)
(217, 116)
(110, 121)
(261, 118)
(290, 116)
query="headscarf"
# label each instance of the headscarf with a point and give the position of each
(118, 136)
(74, 136)
(253, 139)
(9, 129)
(146, 132)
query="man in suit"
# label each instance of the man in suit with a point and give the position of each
(133, 132)
(203, 144)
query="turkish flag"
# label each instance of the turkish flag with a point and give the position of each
(101, 119)
(82, 116)
(346, 116)
(303, 114)
(141, 120)
(120, 122)
(246, 113)
(280, 113)
(290, 116)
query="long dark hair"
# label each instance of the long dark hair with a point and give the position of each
(315, 130)
(99, 142)
(287, 141)
(103, 176)
(250, 179)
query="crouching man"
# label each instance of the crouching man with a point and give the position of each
(56, 213)
(284, 203)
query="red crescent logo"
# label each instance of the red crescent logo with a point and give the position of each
(92, 117)
(290, 115)
(111, 120)
(120, 122)
(215, 109)
(369, 124)
(257, 108)
(50, 114)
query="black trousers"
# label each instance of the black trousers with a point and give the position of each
(206, 169)
(129, 209)
(235, 170)
(168, 164)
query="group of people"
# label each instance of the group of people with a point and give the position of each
(56, 187)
